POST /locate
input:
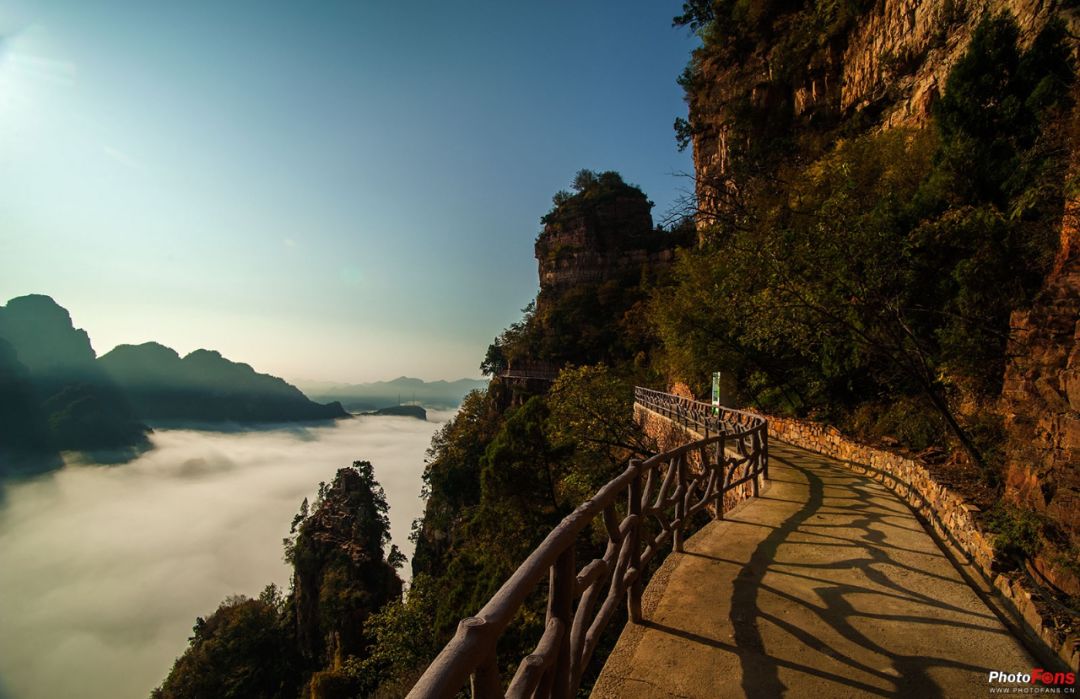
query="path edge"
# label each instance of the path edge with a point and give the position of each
(950, 520)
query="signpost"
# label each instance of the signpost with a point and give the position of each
(716, 393)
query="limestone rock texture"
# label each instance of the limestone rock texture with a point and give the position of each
(898, 59)
(887, 71)
(1041, 405)
(612, 239)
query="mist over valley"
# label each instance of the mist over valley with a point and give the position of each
(105, 568)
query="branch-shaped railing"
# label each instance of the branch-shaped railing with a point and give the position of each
(669, 488)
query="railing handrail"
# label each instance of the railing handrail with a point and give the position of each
(697, 412)
(544, 374)
(570, 636)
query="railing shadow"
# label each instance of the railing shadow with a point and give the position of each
(833, 606)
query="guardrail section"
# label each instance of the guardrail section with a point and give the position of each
(659, 494)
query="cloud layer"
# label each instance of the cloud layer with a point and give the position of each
(104, 568)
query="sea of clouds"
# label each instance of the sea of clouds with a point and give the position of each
(103, 569)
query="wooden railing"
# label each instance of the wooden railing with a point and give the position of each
(540, 374)
(670, 488)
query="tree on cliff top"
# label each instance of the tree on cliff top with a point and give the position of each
(590, 190)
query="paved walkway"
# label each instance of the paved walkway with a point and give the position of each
(826, 586)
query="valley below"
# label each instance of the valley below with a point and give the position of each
(105, 568)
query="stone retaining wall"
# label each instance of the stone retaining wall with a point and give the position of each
(950, 516)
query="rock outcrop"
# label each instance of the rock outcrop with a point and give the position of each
(341, 574)
(1041, 405)
(886, 70)
(898, 58)
(611, 239)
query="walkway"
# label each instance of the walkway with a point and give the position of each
(826, 586)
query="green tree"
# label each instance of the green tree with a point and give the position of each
(243, 650)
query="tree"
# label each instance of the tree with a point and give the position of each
(242, 650)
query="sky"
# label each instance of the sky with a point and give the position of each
(331, 191)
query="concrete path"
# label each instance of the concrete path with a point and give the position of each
(826, 586)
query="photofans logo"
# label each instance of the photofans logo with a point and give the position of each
(1038, 681)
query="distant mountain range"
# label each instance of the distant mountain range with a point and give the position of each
(205, 386)
(382, 394)
(56, 395)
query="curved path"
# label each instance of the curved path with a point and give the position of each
(825, 586)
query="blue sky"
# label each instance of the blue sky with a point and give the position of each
(332, 191)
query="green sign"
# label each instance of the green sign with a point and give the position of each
(716, 393)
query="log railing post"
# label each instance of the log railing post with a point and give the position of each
(680, 506)
(486, 683)
(755, 446)
(633, 592)
(721, 477)
(561, 607)
(765, 450)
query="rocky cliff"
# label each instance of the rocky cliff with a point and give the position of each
(615, 238)
(1041, 405)
(603, 232)
(341, 571)
(877, 64)
(898, 57)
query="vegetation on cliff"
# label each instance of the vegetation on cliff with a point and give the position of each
(312, 641)
(868, 272)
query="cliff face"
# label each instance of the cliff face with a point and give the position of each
(612, 239)
(899, 56)
(1041, 406)
(886, 70)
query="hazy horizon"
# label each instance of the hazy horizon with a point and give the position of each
(346, 193)
(106, 567)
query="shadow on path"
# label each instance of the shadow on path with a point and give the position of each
(825, 586)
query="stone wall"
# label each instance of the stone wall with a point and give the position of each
(950, 516)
